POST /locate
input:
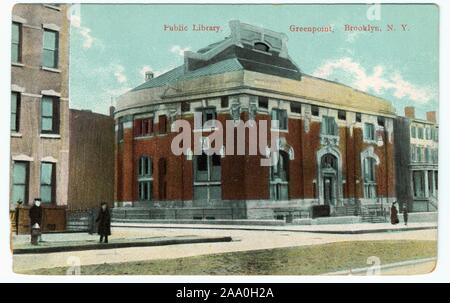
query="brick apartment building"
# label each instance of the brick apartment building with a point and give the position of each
(336, 144)
(40, 110)
(61, 155)
(417, 160)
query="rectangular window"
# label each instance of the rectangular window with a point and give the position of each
(419, 154)
(427, 155)
(48, 180)
(315, 110)
(145, 179)
(207, 172)
(381, 121)
(49, 115)
(413, 132)
(279, 119)
(263, 102)
(419, 184)
(15, 112)
(20, 182)
(16, 43)
(50, 49)
(420, 131)
(369, 131)
(370, 186)
(143, 127)
(358, 117)
(120, 130)
(342, 115)
(413, 153)
(224, 102)
(329, 126)
(185, 107)
(209, 117)
(162, 124)
(296, 108)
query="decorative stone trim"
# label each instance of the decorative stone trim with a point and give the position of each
(331, 140)
(18, 19)
(50, 92)
(51, 26)
(49, 159)
(17, 88)
(22, 157)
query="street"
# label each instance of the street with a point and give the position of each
(243, 240)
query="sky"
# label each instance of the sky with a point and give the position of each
(112, 46)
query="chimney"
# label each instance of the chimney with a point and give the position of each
(148, 76)
(410, 112)
(431, 117)
(112, 109)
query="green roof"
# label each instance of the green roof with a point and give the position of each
(178, 73)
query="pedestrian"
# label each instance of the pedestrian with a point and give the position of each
(35, 215)
(104, 222)
(394, 214)
(405, 214)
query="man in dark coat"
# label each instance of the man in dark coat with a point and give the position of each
(405, 214)
(35, 214)
(394, 214)
(104, 222)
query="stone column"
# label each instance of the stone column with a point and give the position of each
(427, 194)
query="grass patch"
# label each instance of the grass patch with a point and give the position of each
(303, 260)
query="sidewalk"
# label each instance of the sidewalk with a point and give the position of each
(81, 241)
(356, 228)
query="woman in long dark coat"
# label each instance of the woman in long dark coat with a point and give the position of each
(104, 222)
(394, 214)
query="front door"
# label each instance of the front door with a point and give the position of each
(328, 190)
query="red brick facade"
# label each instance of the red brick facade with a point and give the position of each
(243, 178)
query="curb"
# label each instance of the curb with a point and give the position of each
(386, 266)
(112, 245)
(248, 228)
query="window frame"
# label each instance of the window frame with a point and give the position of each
(145, 178)
(372, 132)
(16, 118)
(296, 108)
(54, 50)
(55, 105)
(18, 44)
(279, 177)
(281, 116)
(52, 183)
(329, 126)
(370, 177)
(26, 185)
(263, 102)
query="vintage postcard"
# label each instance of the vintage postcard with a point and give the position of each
(224, 139)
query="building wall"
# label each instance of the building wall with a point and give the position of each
(91, 173)
(243, 178)
(32, 82)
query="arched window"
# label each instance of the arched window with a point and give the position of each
(279, 177)
(370, 182)
(145, 178)
(261, 46)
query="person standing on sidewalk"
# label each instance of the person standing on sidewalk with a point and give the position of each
(394, 214)
(405, 214)
(104, 222)
(35, 215)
